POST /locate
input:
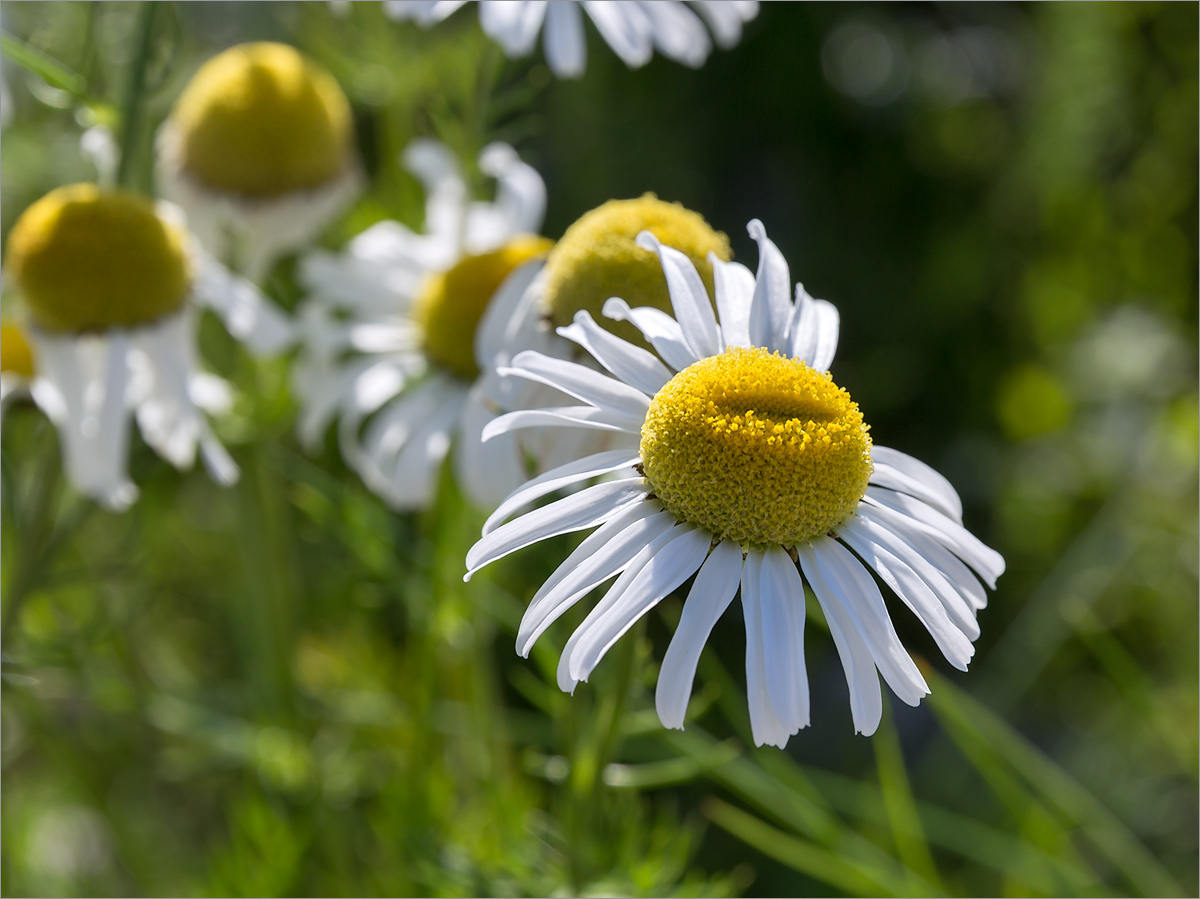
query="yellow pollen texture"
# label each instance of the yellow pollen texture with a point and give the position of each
(261, 120)
(451, 304)
(598, 258)
(16, 355)
(87, 259)
(756, 447)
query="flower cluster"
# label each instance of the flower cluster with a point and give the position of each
(631, 373)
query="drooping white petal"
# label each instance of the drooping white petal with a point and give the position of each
(771, 308)
(485, 472)
(632, 364)
(725, 18)
(673, 564)
(605, 553)
(581, 382)
(506, 320)
(247, 313)
(564, 42)
(866, 699)
(956, 606)
(656, 326)
(832, 567)
(585, 509)
(781, 598)
(912, 590)
(558, 478)
(689, 298)
(922, 516)
(514, 25)
(734, 286)
(765, 725)
(446, 196)
(560, 416)
(678, 32)
(710, 596)
(624, 27)
(900, 471)
(813, 333)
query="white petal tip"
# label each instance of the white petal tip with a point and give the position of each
(647, 241)
(615, 307)
(756, 230)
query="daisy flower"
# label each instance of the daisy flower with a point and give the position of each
(634, 29)
(404, 328)
(111, 282)
(756, 470)
(599, 257)
(16, 364)
(258, 151)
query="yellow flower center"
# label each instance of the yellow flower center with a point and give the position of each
(262, 120)
(598, 258)
(451, 303)
(756, 447)
(87, 259)
(16, 356)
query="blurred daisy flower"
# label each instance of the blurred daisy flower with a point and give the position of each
(111, 282)
(16, 364)
(405, 328)
(599, 257)
(258, 151)
(634, 29)
(755, 470)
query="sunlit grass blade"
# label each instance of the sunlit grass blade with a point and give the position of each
(908, 834)
(49, 70)
(971, 723)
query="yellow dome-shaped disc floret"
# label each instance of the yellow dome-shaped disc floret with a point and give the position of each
(757, 448)
(16, 355)
(262, 120)
(87, 259)
(451, 304)
(598, 258)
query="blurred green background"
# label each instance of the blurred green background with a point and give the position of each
(282, 688)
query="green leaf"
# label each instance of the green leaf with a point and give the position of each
(49, 70)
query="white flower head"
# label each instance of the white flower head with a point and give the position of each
(406, 328)
(259, 153)
(754, 470)
(111, 282)
(634, 29)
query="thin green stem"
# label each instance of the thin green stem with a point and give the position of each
(131, 106)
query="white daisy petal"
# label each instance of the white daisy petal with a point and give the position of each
(673, 564)
(921, 516)
(632, 364)
(771, 308)
(246, 312)
(900, 471)
(559, 416)
(605, 553)
(679, 33)
(585, 509)
(781, 597)
(734, 285)
(497, 331)
(711, 594)
(689, 298)
(725, 18)
(580, 382)
(486, 473)
(866, 699)
(558, 478)
(624, 27)
(656, 326)
(956, 606)
(514, 26)
(813, 333)
(564, 42)
(765, 725)
(915, 593)
(833, 569)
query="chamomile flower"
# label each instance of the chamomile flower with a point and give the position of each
(16, 364)
(258, 151)
(405, 328)
(634, 29)
(754, 470)
(111, 282)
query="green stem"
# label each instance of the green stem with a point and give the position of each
(32, 558)
(131, 106)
